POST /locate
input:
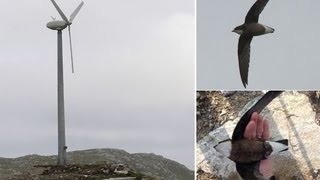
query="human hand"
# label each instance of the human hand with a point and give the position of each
(258, 128)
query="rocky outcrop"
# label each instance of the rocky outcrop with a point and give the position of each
(148, 164)
(290, 116)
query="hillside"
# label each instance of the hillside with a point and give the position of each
(148, 164)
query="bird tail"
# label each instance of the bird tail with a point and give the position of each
(283, 141)
(279, 146)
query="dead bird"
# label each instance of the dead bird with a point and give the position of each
(247, 153)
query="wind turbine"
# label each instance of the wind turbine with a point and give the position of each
(60, 25)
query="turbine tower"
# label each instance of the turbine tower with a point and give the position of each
(59, 25)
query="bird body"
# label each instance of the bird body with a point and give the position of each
(253, 29)
(248, 151)
(245, 150)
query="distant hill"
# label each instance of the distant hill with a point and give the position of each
(148, 164)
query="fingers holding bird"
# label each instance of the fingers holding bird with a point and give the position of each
(257, 128)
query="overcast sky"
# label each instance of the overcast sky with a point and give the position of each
(287, 59)
(133, 86)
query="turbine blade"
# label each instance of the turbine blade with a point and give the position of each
(75, 12)
(69, 28)
(59, 11)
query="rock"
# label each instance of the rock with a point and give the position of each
(122, 178)
(122, 169)
(290, 117)
(228, 93)
(223, 112)
(198, 94)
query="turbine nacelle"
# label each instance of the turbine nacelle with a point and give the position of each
(57, 25)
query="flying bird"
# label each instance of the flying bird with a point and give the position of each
(246, 153)
(250, 28)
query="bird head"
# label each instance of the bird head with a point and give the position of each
(238, 30)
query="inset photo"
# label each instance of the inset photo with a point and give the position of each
(258, 135)
(89, 90)
(257, 44)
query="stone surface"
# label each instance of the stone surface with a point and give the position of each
(290, 116)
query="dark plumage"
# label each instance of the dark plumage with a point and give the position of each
(250, 28)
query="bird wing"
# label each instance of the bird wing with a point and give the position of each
(255, 10)
(244, 57)
(250, 171)
(224, 147)
(257, 107)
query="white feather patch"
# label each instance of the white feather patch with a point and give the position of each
(277, 147)
(224, 148)
(268, 29)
